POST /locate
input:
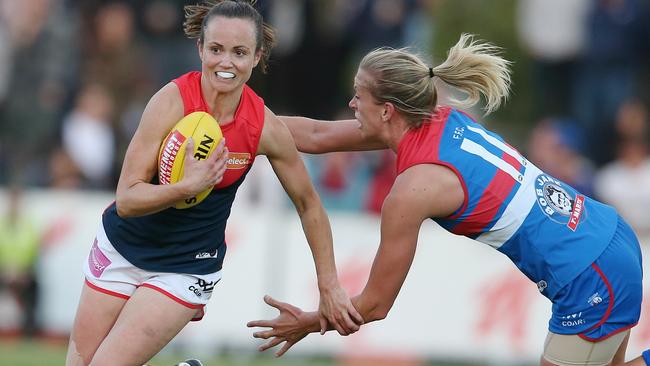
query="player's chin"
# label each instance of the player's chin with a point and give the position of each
(225, 86)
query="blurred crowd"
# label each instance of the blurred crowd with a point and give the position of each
(590, 68)
(75, 76)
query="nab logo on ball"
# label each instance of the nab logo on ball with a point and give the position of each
(205, 132)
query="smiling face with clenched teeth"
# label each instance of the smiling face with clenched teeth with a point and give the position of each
(228, 53)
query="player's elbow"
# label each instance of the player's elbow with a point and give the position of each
(123, 208)
(378, 312)
(314, 142)
(311, 145)
(307, 202)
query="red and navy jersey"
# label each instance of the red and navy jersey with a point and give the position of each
(192, 240)
(548, 229)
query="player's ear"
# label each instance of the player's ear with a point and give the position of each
(387, 112)
(199, 46)
(258, 57)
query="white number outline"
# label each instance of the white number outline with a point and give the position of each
(475, 149)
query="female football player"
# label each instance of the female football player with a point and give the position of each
(152, 268)
(466, 178)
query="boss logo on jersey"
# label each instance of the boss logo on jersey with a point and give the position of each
(559, 204)
(238, 160)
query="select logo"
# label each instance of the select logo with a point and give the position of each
(238, 160)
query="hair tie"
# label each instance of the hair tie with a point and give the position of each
(431, 74)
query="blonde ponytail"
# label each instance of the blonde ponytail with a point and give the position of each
(476, 69)
(402, 78)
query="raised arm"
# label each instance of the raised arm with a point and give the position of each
(277, 144)
(317, 137)
(413, 199)
(135, 195)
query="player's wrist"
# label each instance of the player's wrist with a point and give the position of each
(310, 321)
(328, 281)
(329, 289)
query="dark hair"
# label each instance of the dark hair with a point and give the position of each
(198, 16)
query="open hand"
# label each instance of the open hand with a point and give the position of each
(291, 326)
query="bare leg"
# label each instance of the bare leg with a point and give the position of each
(148, 321)
(619, 358)
(95, 317)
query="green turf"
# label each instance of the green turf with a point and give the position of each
(15, 353)
(40, 353)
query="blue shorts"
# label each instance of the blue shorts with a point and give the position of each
(605, 299)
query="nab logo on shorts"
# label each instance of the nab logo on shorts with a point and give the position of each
(202, 286)
(560, 204)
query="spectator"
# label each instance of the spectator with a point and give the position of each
(88, 136)
(552, 33)
(555, 146)
(624, 182)
(19, 246)
(43, 69)
(340, 179)
(617, 33)
(5, 54)
(165, 42)
(63, 173)
(115, 58)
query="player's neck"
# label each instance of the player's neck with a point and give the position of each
(395, 131)
(223, 105)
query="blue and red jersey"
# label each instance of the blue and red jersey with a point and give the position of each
(549, 230)
(192, 240)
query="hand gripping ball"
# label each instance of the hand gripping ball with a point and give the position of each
(205, 132)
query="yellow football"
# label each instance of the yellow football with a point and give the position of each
(205, 132)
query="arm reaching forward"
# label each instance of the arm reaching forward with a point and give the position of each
(335, 306)
(413, 199)
(317, 137)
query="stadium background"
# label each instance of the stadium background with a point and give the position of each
(74, 78)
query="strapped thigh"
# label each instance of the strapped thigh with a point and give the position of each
(572, 350)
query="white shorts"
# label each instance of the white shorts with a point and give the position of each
(108, 272)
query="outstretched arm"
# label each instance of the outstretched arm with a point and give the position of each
(317, 137)
(335, 305)
(413, 199)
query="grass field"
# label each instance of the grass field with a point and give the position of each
(15, 353)
(40, 353)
